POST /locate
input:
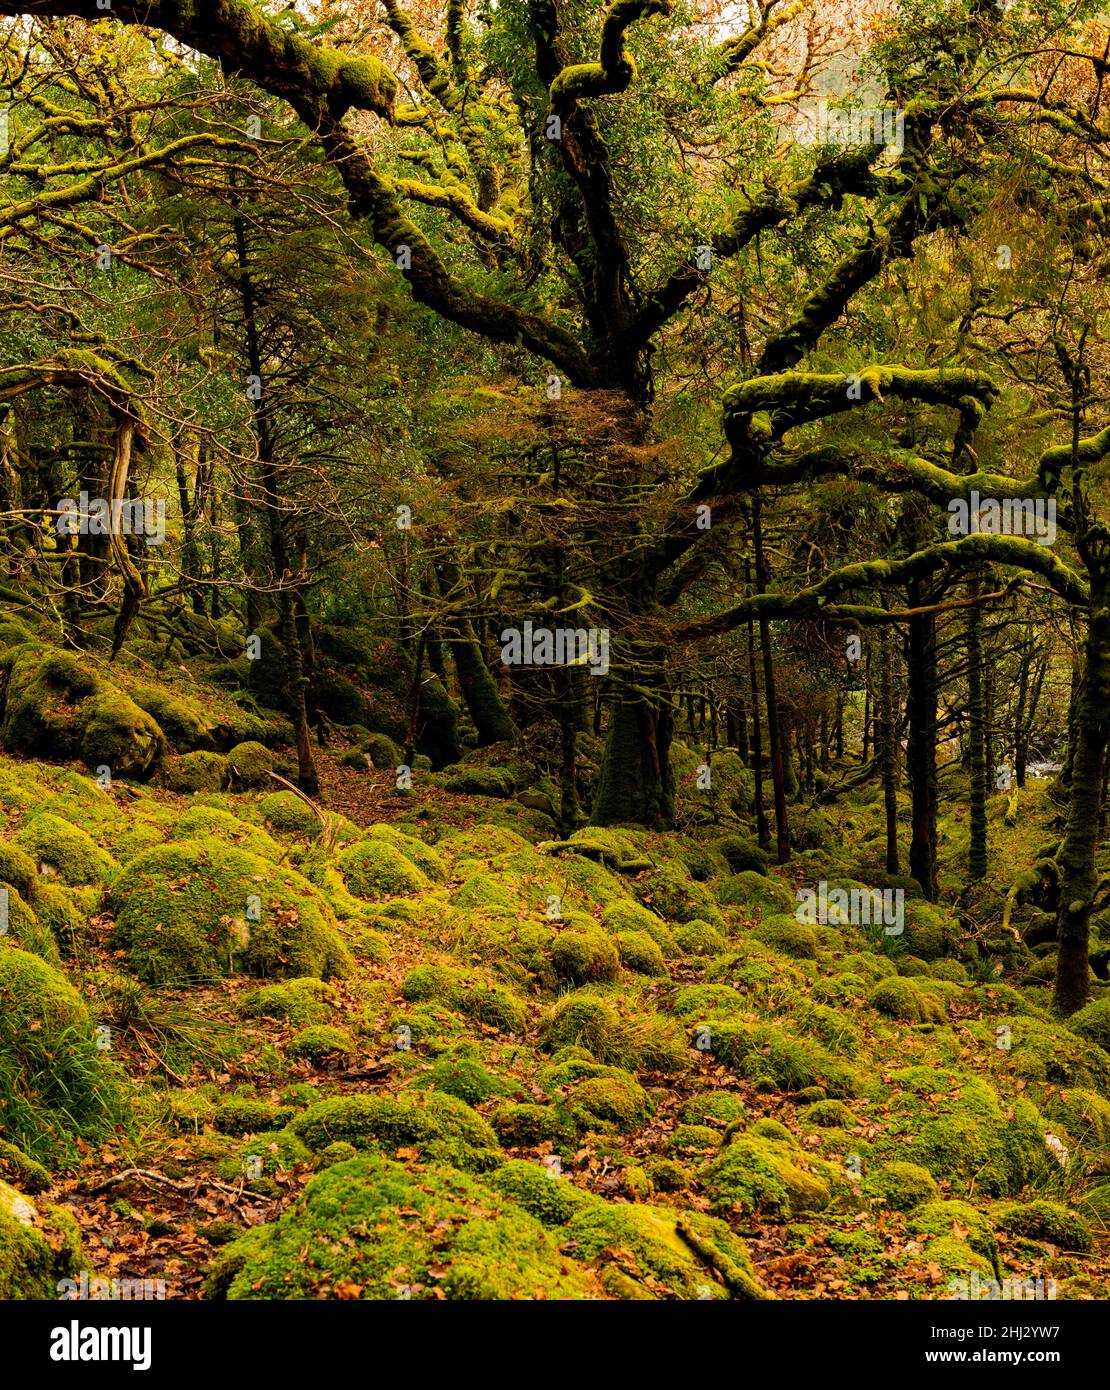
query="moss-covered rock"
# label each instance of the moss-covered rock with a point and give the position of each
(248, 1115)
(468, 991)
(899, 997)
(902, 1186)
(38, 1248)
(56, 1086)
(375, 869)
(755, 890)
(249, 765)
(286, 812)
(1093, 1023)
(22, 1171)
(756, 1175)
(609, 1104)
(321, 1044)
(197, 772)
(783, 932)
(1042, 1220)
(526, 1126)
(580, 957)
(741, 855)
(368, 1228)
(941, 1219)
(641, 1041)
(441, 1127)
(698, 938)
(64, 850)
(464, 1077)
(639, 953)
(672, 891)
(301, 1001)
(196, 910)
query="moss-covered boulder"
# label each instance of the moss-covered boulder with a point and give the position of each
(39, 1248)
(56, 1086)
(469, 992)
(756, 1175)
(369, 1228)
(291, 815)
(64, 850)
(765, 894)
(1044, 1221)
(902, 1186)
(899, 997)
(321, 1045)
(249, 765)
(375, 869)
(197, 772)
(609, 1104)
(639, 953)
(580, 957)
(440, 1127)
(195, 910)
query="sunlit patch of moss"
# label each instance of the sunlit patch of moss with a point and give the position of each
(64, 850)
(321, 1045)
(768, 895)
(945, 1218)
(202, 822)
(1042, 1220)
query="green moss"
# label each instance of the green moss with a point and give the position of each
(720, 1107)
(465, 1078)
(424, 857)
(944, 1218)
(614, 1105)
(468, 991)
(301, 1001)
(525, 1126)
(709, 1001)
(927, 932)
(899, 997)
(784, 933)
(55, 1085)
(249, 765)
(38, 1248)
(646, 1250)
(333, 1154)
(320, 1044)
(754, 890)
(440, 1126)
(741, 855)
(698, 938)
(580, 957)
(691, 1140)
(617, 849)
(481, 781)
(374, 869)
(766, 1053)
(642, 1041)
(671, 891)
(246, 1115)
(64, 849)
(829, 1114)
(288, 813)
(383, 752)
(18, 870)
(667, 1174)
(1042, 1220)
(552, 1199)
(212, 823)
(902, 1186)
(1093, 1023)
(22, 1172)
(197, 772)
(370, 1226)
(1085, 1115)
(196, 910)
(638, 952)
(754, 1175)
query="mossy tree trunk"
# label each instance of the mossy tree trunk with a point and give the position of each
(774, 733)
(977, 745)
(1075, 859)
(921, 679)
(888, 725)
(636, 782)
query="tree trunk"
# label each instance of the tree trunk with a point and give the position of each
(921, 680)
(977, 745)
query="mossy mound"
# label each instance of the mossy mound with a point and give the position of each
(526, 1126)
(755, 890)
(616, 849)
(21, 1171)
(469, 992)
(672, 891)
(640, 1041)
(302, 1001)
(321, 1044)
(741, 855)
(698, 938)
(1084, 1114)
(902, 1186)
(1093, 1023)
(639, 953)
(755, 1175)
(18, 869)
(783, 932)
(197, 772)
(1041, 1220)
(623, 915)
(248, 1115)
(942, 1219)
(249, 765)
(423, 856)
(654, 1251)
(898, 997)
(64, 850)
(55, 1085)
(580, 957)
(481, 781)
(204, 822)
(441, 1127)
(195, 910)
(287, 813)
(38, 1248)
(55, 707)
(368, 1228)
(464, 1077)
(609, 1104)
(772, 1057)
(376, 869)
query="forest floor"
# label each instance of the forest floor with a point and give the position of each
(614, 1066)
